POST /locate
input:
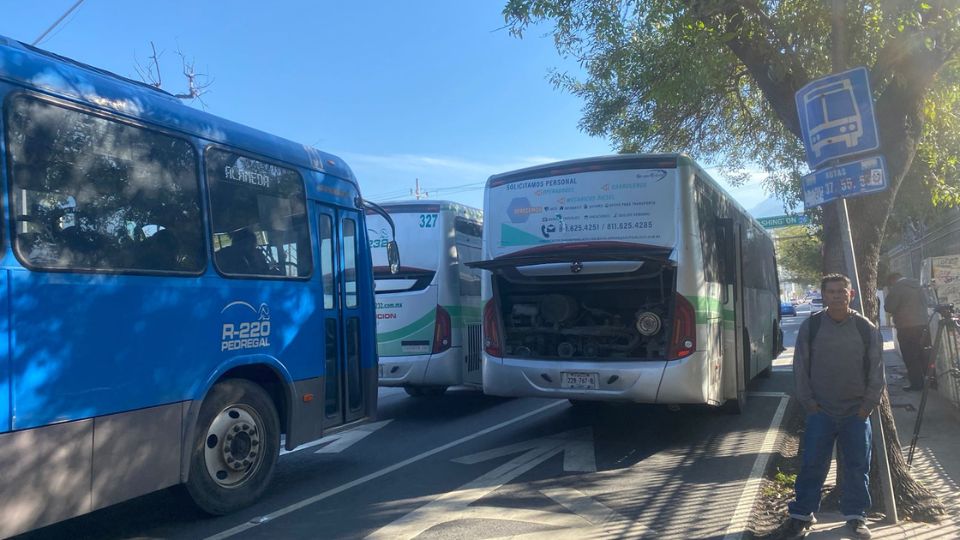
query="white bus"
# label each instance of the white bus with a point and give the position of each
(428, 313)
(625, 278)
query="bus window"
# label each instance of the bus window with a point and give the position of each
(350, 262)
(326, 259)
(95, 194)
(259, 217)
(707, 214)
(467, 238)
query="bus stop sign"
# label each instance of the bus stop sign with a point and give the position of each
(836, 116)
(860, 177)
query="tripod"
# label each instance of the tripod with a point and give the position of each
(949, 322)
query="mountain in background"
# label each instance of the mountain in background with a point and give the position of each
(772, 206)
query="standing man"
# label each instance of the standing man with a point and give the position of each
(839, 378)
(907, 302)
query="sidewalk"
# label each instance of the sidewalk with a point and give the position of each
(936, 461)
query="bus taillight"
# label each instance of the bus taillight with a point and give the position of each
(442, 331)
(491, 329)
(683, 340)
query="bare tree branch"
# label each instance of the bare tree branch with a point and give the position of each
(198, 84)
(151, 73)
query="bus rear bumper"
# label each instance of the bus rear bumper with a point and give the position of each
(650, 381)
(636, 382)
(441, 369)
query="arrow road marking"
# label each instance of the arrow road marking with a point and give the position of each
(339, 442)
(455, 505)
(578, 450)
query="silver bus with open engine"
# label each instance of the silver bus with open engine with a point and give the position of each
(625, 278)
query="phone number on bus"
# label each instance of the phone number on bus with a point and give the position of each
(625, 225)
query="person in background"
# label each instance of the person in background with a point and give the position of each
(243, 256)
(907, 302)
(838, 373)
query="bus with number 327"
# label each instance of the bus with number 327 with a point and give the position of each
(428, 312)
(179, 294)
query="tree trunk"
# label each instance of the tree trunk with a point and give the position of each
(914, 500)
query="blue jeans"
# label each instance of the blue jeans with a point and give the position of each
(853, 435)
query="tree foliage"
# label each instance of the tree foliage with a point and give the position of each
(716, 79)
(798, 253)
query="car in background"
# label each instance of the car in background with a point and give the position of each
(816, 302)
(787, 308)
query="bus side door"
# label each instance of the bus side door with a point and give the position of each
(344, 399)
(736, 358)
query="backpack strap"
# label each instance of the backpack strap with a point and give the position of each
(815, 320)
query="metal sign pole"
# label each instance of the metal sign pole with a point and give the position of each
(848, 254)
(883, 461)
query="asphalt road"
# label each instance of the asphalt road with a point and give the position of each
(464, 465)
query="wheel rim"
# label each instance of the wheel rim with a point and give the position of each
(232, 448)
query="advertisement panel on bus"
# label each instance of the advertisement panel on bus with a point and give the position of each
(633, 206)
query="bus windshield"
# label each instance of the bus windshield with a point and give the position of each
(628, 206)
(413, 229)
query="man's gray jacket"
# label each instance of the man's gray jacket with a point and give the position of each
(831, 375)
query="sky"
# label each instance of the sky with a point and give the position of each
(421, 89)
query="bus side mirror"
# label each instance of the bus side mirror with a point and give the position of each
(393, 256)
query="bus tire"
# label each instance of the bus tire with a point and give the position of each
(236, 447)
(413, 391)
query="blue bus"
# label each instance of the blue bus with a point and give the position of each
(178, 294)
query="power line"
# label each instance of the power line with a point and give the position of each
(55, 23)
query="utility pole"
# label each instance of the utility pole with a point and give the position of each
(417, 194)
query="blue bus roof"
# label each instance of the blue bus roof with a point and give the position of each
(30, 67)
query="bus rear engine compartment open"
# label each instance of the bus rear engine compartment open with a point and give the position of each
(622, 317)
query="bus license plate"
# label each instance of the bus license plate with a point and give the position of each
(579, 381)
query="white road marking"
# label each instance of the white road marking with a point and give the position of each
(455, 505)
(450, 505)
(578, 454)
(768, 394)
(340, 441)
(373, 476)
(738, 523)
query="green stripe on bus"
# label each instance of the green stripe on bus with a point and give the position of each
(423, 322)
(706, 308)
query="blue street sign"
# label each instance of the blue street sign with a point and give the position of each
(860, 177)
(836, 116)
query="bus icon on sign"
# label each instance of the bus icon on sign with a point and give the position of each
(834, 117)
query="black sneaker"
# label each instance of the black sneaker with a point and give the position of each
(795, 528)
(858, 528)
